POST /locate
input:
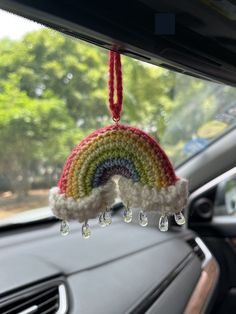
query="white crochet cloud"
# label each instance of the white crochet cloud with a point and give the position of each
(166, 201)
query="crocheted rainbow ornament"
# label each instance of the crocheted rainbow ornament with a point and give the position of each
(118, 161)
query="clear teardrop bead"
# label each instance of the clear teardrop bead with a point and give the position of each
(64, 229)
(86, 232)
(143, 220)
(179, 219)
(163, 223)
(107, 217)
(101, 220)
(127, 215)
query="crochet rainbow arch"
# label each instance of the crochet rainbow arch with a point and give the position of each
(117, 161)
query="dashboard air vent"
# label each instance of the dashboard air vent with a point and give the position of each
(45, 298)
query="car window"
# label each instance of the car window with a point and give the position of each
(53, 92)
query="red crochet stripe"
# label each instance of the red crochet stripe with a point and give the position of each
(155, 146)
(115, 82)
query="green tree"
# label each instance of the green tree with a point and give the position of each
(28, 127)
(77, 73)
(54, 92)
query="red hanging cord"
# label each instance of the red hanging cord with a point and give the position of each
(115, 82)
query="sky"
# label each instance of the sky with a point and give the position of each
(14, 27)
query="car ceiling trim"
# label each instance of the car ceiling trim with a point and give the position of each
(109, 41)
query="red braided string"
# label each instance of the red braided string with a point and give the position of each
(115, 82)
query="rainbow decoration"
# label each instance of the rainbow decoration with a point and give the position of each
(117, 161)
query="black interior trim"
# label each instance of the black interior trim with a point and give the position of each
(130, 26)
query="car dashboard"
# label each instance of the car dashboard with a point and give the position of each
(123, 269)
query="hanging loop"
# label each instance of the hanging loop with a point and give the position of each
(115, 88)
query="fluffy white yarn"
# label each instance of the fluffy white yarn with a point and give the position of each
(86, 208)
(168, 200)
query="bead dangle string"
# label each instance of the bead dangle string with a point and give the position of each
(170, 196)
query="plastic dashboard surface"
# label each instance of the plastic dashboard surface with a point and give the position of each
(120, 269)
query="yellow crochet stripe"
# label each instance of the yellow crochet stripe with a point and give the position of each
(115, 143)
(98, 146)
(95, 146)
(89, 167)
(148, 170)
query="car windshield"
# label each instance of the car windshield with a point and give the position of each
(53, 92)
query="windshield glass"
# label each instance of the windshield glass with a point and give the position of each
(53, 92)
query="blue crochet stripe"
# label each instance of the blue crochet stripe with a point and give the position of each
(114, 166)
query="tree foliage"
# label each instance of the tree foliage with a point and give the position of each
(53, 92)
